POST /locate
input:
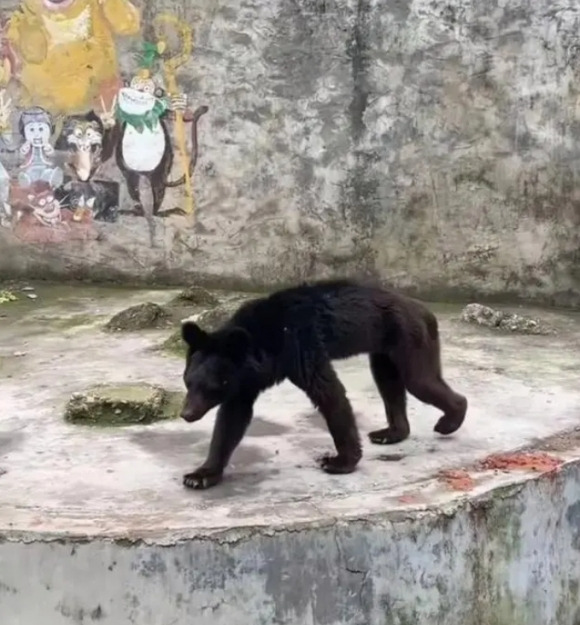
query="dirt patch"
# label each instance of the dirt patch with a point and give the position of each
(391, 457)
(538, 461)
(526, 461)
(457, 479)
(122, 405)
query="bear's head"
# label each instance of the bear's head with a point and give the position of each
(212, 367)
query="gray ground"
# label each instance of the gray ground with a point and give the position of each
(60, 477)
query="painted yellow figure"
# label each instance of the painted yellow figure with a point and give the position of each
(68, 52)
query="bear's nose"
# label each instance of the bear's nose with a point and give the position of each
(194, 408)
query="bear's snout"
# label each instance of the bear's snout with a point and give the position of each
(194, 408)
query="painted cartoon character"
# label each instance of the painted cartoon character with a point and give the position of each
(82, 138)
(97, 198)
(68, 50)
(45, 207)
(36, 128)
(139, 134)
(42, 219)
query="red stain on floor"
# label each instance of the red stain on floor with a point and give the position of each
(526, 461)
(457, 480)
(408, 499)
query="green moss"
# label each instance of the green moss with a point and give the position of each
(122, 405)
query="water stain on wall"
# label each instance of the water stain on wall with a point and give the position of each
(81, 143)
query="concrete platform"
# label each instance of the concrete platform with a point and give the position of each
(95, 525)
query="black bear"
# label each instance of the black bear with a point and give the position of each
(294, 334)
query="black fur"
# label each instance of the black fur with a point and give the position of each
(295, 334)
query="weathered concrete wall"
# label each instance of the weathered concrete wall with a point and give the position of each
(509, 557)
(430, 141)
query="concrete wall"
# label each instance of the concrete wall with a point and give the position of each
(430, 141)
(507, 558)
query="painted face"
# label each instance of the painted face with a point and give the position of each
(139, 97)
(46, 208)
(37, 133)
(85, 140)
(85, 136)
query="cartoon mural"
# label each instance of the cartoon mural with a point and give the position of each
(76, 137)
(139, 131)
(67, 50)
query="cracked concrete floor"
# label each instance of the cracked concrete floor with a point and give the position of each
(61, 478)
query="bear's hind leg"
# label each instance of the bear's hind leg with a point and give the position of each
(231, 423)
(328, 395)
(422, 375)
(392, 390)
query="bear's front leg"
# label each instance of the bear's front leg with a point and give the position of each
(328, 394)
(232, 421)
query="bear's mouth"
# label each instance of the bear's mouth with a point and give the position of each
(195, 408)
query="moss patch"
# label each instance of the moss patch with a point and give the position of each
(119, 405)
(144, 316)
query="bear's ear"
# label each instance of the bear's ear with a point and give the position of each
(193, 335)
(237, 344)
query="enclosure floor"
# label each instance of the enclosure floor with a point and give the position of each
(61, 478)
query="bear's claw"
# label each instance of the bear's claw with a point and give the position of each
(201, 479)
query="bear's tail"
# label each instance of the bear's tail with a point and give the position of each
(433, 333)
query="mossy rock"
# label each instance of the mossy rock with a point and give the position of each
(501, 320)
(195, 296)
(119, 405)
(209, 320)
(7, 296)
(174, 344)
(212, 319)
(144, 316)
